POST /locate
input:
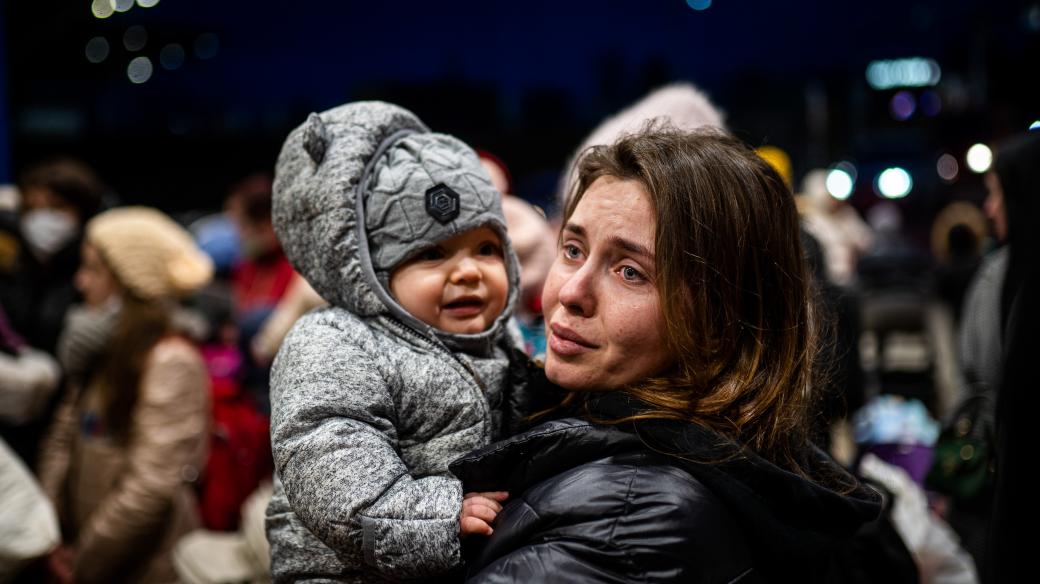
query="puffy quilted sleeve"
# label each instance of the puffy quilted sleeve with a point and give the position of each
(614, 523)
(336, 451)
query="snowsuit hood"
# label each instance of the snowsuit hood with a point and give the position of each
(363, 187)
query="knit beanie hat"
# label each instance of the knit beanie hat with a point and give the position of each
(427, 188)
(150, 255)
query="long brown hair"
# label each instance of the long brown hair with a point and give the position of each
(141, 325)
(733, 285)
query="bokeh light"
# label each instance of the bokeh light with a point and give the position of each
(121, 5)
(902, 105)
(97, 49)
(912, 72)
(699, 4)
(894, 183)
(101, 8)
(947, 167)
(171, 56)
(135, 38)
(139, 70)
(839, 183)
(1034, 126)
(147, 3)
(207, 46)
(979, 158)
(931, 105)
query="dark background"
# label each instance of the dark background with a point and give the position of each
(525, 80)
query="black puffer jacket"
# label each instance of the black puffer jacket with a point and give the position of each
(614, 503)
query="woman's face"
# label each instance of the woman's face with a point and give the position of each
(602, 316)
(994, 205)
(94, 280)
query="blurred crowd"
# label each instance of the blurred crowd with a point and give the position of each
(135, 351)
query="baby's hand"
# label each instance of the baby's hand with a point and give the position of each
(479, 511)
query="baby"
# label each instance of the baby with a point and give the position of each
(410, 366)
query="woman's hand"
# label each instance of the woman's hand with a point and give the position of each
(479, 511)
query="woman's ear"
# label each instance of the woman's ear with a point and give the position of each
(315, 138)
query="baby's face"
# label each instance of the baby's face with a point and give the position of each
(458, 286)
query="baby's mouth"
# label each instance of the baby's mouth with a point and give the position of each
(465, 306)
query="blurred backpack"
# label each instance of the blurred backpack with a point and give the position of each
(240, 443)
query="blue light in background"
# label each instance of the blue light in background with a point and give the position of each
(699, 4)
(931, 105)
(171, 56)
(902, 105)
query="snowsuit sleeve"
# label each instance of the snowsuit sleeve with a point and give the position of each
(335, 442)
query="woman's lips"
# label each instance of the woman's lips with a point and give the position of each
(565, 342)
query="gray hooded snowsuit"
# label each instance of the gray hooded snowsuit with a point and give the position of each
(370, 404)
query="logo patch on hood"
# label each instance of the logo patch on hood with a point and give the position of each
(442, 203)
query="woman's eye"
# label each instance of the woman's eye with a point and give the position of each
(571, 252)
(631, 274)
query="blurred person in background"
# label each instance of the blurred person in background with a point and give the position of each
(1009, 552)
(682, 105)
(129, 438)
(996, 337)
(299, 299)
(841, 389)
(263, 273)
(28, 525)
(239, 457)
(260, 278)
(840, 230)
(534, 242)
(39, 254)
(958, 239)
(57, 199)
(28, 378)
(981, 330)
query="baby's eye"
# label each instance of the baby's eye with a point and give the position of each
(489, 248)
(631, 274)
(431, 254)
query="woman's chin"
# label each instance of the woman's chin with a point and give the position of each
(569, 376)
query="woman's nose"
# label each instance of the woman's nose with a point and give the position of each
(578, 292)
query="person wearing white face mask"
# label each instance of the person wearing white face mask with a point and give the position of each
(57, 199)
(36, 285)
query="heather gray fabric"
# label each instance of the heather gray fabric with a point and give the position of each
(395, 208)
(369, 404)
(387, 154)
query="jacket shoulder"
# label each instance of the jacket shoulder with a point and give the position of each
(175, 351)
(628, 492)
(630, 516)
